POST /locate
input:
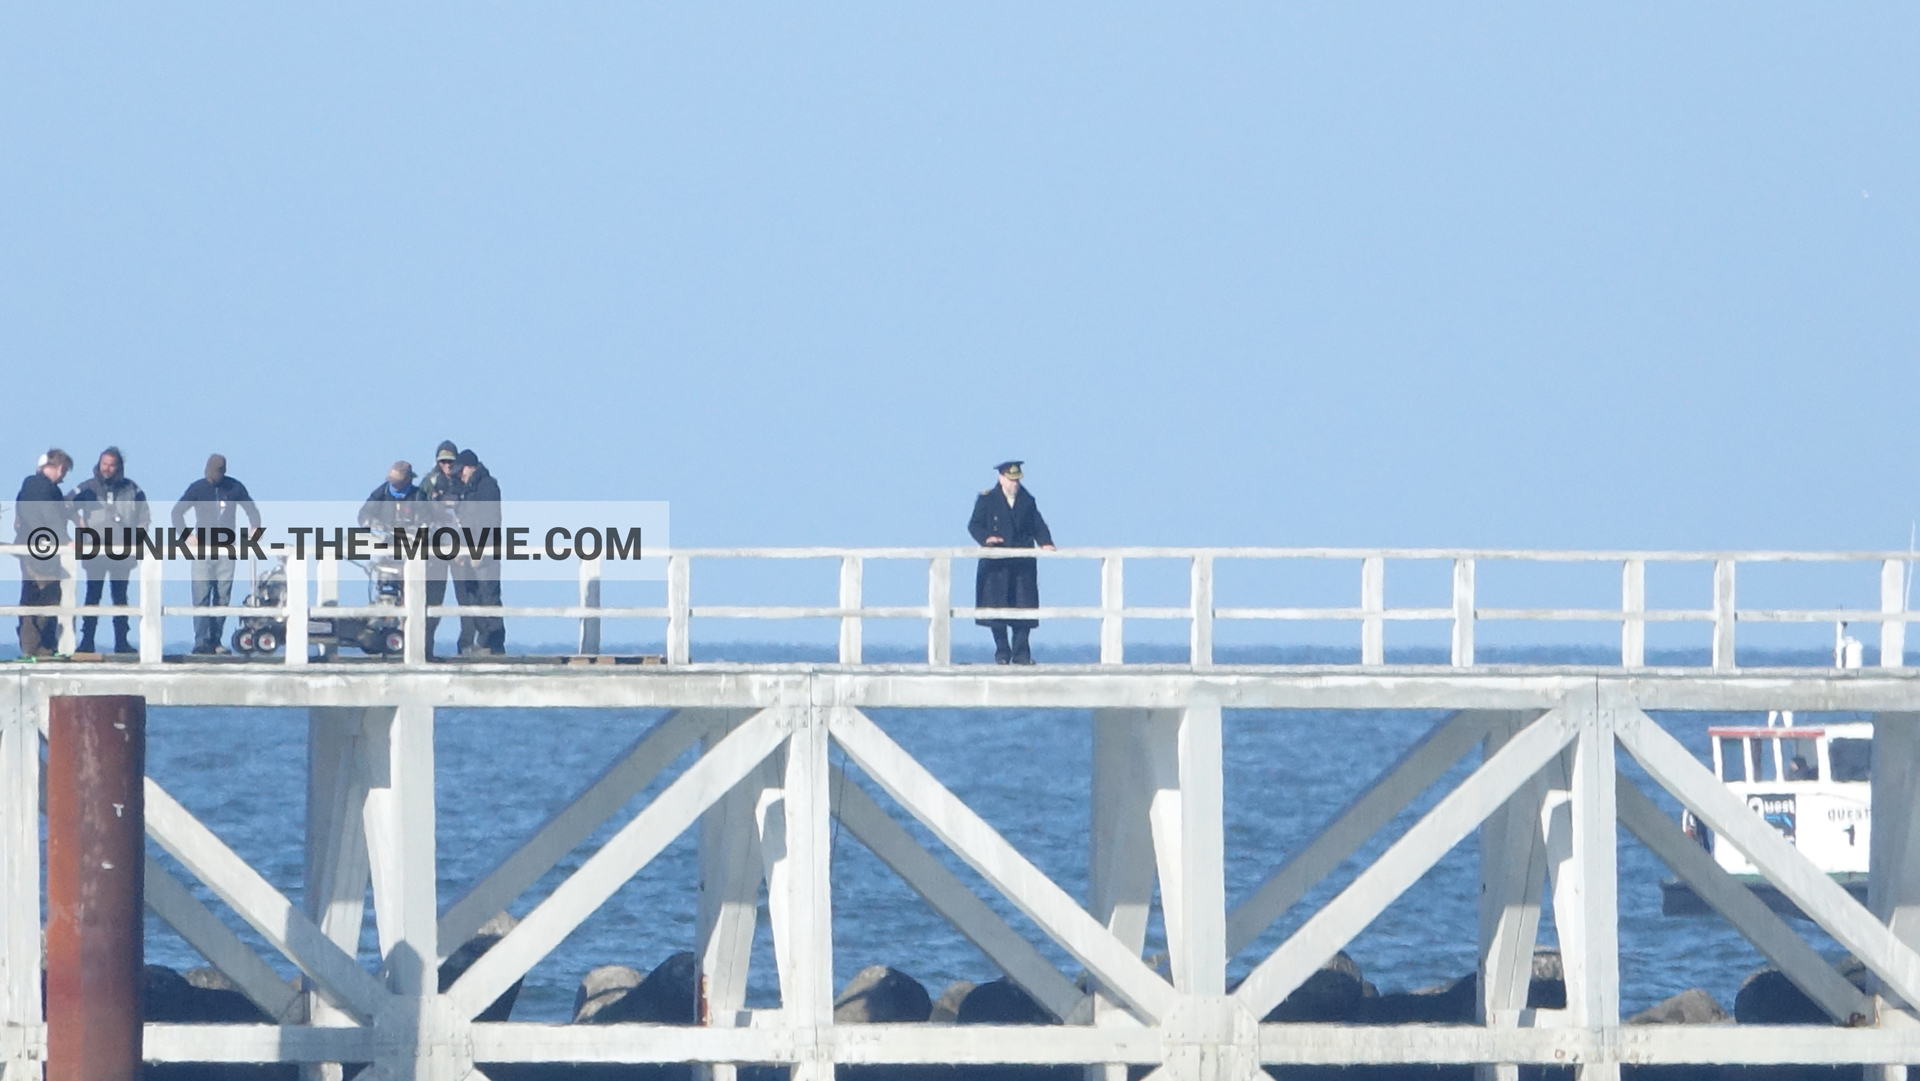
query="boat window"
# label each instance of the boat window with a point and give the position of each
(1760, 768)
(1803, 760)
(1730, 759)
(1852, 759)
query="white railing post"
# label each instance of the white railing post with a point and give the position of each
(1633, 608)
(679, 608)
(296, 609)
(940, 611)
(850, 572)
(69, 599)
(1373, 601)
(326, 578)
(152, 633)
(1112, 602)
(1893, 598)
(1463, 613)
(1200, 642)
(1723, 659)
(413, 587)
(590, 598)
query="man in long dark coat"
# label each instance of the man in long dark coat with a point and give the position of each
(1005, 516)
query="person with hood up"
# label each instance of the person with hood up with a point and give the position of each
(479, 511)
(216, 502)
(442, 489)
(110, 502)
(1006, 516)
(39, 510)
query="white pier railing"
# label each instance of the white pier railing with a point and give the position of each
(316, 584)
(1543, 790)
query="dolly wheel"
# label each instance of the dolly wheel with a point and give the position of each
(243, 641)
(266, 641)
(394, 640)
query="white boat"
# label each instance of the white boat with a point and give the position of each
(1810, 783)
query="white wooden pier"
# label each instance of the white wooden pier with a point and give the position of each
(1548, 804)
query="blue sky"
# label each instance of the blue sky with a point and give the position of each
(1561, 275)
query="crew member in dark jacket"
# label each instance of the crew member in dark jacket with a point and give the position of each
(479, 511)
(110, 502)
(397, 503)
(216, 502)
(1005, 516)
(442, 489)
(41, 506)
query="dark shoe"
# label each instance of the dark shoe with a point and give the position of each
(200, 651)
(1023, 657)
(125, 648)
(85, 646)
(1002, 656)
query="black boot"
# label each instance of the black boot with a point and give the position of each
(87, 625)
(121, 627)
(1002, 652)
(1021, 653)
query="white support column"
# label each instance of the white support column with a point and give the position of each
(1192, 856)
(679, 609)
(1112, 601)
(1893, 599)
(1723, 612)
(413, 578)
(337, 871)
(806, 990)
(1200, 640)
(21, 1022)
(1893, 879)
(940, 611)
(1120, 863)
(297, 610)
(1513, 869)
(1633, 608)
(152, 626)
(1373, 601)
(1463, 613)
(420, 1042)
(1585, 880)
(590, 598)
(730, 877)
(851, 572)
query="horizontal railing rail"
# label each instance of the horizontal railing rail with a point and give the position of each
(313, 592)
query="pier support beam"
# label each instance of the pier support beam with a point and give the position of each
(96, 860)
(1583, 842)
(730, 878)
(1893, 879)
(1513, 870)
(341, 744)
(799, 874)
(421, 1034)
(1120, 857)
(22, 1028)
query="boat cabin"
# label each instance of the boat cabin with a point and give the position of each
(1808, 783)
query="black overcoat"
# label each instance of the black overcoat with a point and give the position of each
(1008, 583)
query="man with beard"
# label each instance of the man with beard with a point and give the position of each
(479, 512)
(1006, 516)
(41, 506)
(109, 503)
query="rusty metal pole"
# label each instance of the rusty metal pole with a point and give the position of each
(96, 855)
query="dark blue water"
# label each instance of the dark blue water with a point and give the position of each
(502, 771)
